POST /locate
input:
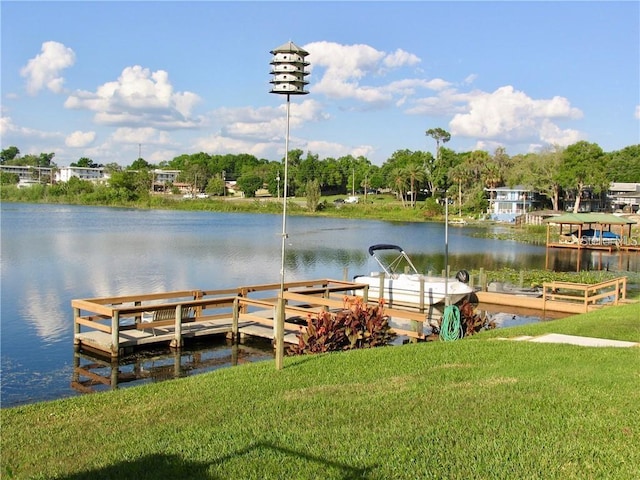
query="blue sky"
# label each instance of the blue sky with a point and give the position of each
(107, 80)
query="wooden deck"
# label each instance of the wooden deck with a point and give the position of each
(565, 297)
(115, 326)
(129, 340)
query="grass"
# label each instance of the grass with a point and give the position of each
(470, 409)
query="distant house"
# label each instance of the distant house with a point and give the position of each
(624, 196)
(506, 203)
(64, 174)
(165, 178)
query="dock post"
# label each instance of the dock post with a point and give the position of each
(365, 294)
(113, 378)
(421, 294)
(234, 322)
(76, 325)
(381, 288)
(177, 339)
(115, 333)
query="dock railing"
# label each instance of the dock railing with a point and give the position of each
(589, 296)
(112, 316)
(309, 304)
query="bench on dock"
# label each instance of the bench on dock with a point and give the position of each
(163, 317)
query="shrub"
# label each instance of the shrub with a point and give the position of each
(355, 326)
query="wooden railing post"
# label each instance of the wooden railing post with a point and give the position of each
(234, 323)
(381, 288)
(76, 325)
(115, 333)
(177, 339)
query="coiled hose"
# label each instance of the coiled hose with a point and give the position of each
(451, 327)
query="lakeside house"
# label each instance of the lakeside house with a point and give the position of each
(624, 196)
(507, 203)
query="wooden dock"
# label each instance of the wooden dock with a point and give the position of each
(566, 297)
(114, 326)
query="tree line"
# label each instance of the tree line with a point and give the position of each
(556, 173)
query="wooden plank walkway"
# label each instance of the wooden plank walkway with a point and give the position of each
(128, 340)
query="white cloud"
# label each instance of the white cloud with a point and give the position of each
(266, 123)
(43, 71)
(79, 139)
(138, 97)
(336, 150)
(512, 116)
(346, 65)
(9, 129)
(261, 131)
(400, 58)
(637, 113)
(145, 135)
(448, 101)
(470, 79)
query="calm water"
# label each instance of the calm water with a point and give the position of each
(52, 254)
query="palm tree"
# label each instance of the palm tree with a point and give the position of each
(416, 174)
(460, 174)
(399, 182)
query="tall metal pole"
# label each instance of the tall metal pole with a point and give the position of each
(446, 251)
(288, 67)
(281, 303)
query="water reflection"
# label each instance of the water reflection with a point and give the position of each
(95, 373)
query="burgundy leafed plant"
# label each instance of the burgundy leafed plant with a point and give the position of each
(355, 326)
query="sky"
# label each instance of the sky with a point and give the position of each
(115, 80)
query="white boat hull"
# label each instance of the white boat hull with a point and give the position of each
(406, 288)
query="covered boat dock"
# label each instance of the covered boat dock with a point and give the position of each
(593, 231)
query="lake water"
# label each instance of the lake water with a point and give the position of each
(54, 253)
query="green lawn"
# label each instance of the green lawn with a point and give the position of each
(472, 409)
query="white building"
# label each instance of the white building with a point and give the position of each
(505, 203)
(27, 173)
(624, 196)
(164, 178)
(64, 174)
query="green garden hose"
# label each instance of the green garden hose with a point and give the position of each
(451, 328)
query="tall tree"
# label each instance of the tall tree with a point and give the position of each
(624, 165)
(9, 154)
(415, 174)
(440, 135)
(461, 176)
(313, 195)
(582, 166)
(398, 180)
(540, 171)
(85, 162)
